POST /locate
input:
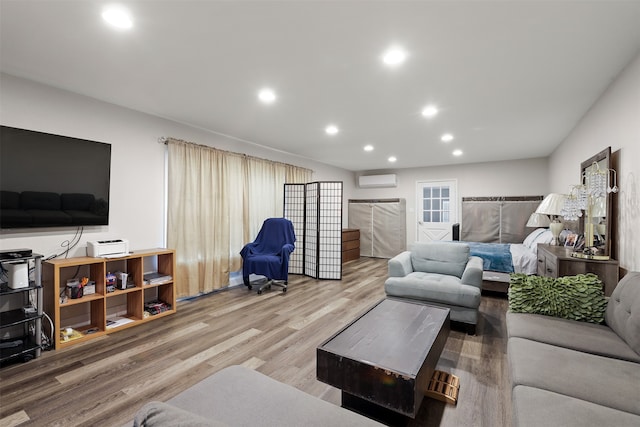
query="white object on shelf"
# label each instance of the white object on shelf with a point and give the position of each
(117, 321)
(18, 273)
(108, 248)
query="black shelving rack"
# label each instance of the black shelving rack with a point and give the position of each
(20, 331)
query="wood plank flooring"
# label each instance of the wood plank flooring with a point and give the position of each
(104, 381)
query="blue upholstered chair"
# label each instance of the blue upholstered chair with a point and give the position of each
(442, 274)
(268, 255)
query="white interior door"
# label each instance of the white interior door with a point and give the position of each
(436, 209)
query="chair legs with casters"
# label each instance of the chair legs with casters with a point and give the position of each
(265, 283)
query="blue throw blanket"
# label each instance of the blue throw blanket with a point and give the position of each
(269, 254)
(495, 256)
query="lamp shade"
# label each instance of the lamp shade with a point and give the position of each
(552, 204)
(538, 220)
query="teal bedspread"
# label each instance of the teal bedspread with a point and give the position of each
(495, 256)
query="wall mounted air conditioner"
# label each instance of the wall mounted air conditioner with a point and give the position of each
(377, 181)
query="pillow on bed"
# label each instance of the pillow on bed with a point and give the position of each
(532, 237)
(545, 237)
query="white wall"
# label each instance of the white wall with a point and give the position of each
(508, 178)
(614, 120)
(137, 163)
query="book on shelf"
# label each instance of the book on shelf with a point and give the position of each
(70, 334)
(156, 307)
(117, 321)
(156, 278)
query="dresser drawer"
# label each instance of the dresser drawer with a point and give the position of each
(350, 235)
(350, 255)
(541, 265)
(551, 267)
(351, 244)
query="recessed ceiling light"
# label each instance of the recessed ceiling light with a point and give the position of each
(392, 159)
(446, 137)
(331, 129)
(267, 95)
(117, 17)
(457, 152)
(368, 147)
(429, 111)
(394, 56)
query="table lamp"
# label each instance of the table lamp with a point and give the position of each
(552, 206)
(538, 220)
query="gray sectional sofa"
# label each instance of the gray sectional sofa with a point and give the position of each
(569, 373)
(239, 396)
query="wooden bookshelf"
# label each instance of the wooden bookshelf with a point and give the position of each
(88, 316)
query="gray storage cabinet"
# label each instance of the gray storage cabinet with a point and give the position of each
(382, 225)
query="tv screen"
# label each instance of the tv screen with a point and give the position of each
(52, 181)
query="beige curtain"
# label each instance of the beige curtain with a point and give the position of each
(217, 201)
(296, 175)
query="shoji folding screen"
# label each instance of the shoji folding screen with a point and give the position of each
(315, 209)
(294, 212)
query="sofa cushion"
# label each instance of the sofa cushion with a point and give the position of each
(623, 310)
(240, 396)
(40, 200)
(580, 336)
(440, 257)
(433, 287)
(602, 380)
(49, 217)
(9, 200)
(15, 218)
(158, 414)
(534, 407)
(77, 201)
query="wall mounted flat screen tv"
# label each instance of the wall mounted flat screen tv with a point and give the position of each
(52, 181)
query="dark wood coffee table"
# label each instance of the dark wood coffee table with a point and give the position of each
(383, 360)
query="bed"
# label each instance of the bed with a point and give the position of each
(501, 259)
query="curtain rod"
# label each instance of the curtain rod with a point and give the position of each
(165, 140)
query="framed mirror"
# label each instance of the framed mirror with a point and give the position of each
(595, 223)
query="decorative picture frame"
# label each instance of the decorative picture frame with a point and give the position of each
(571, 240)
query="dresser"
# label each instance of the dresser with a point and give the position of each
(556, 261)
(350, 244)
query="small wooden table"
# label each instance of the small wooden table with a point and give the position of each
(383, 360)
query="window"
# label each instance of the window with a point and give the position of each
(436, 204)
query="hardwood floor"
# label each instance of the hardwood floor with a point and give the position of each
(104, 381)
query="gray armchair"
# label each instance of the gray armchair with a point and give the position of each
(442, 274)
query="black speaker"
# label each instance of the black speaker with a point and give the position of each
(455, 229)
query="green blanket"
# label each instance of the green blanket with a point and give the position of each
(572, 297)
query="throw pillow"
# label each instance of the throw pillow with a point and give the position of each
(571, 297)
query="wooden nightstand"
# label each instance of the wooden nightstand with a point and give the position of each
(556, 261)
